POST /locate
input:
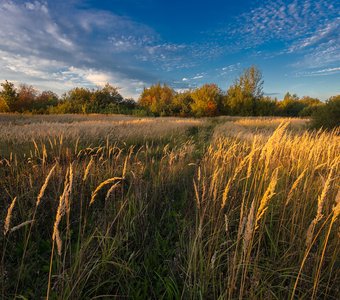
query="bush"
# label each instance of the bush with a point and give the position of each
(327, 116)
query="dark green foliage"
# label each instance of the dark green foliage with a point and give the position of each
(328, 115)
(9, 95)
(182, 104)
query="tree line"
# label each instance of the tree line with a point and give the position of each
(245, 97)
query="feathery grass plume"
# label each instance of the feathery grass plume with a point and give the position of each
(269, 193)
(321, 201)
(111, 189)
(67, 196)
(62, 208)
(251, 157)
(60, 213)
(9, 216)
(44, 186)
(226, 223)
(231, 180)
(197, 197)
(249, 227)
(310, 233)
(268, 148)
(44, 154)
(17, 227)
(126, 161)
(294, 186)
(322, 197)
(100, 186)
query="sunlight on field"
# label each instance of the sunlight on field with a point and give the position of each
(243, 208)
(91, 128)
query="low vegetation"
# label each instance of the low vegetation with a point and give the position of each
(124, 207)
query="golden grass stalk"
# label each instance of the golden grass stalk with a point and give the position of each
(111, 189)
(321, 201)
(9, 216)
(294, 186)
(100, 186)
(231, 180)
(251, 157)
(226, 223)
(249, 227)
(60, 212)
(322, 197)
(88, 167)
(62, 208)
(44, 186)
(269, 193)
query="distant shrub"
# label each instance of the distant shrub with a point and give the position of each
(3, 105)
(327, 116)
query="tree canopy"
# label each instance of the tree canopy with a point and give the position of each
(245, 97)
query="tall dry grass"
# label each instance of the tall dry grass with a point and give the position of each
(284, 200)
(195, 209)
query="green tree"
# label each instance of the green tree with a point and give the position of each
(3, 105)
(44, 101)
(26, 97)
(310, 106)
(9, 95)
(291, 105)
(266, 106)
(105, 97)
(328, 115)
(243, 96)
(157, 99)
(77, 100)
(182, 104)
(207, 101)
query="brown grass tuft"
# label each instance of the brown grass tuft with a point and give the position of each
(9, 216)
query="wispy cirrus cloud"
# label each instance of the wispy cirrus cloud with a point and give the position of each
(308, 30)
(281, 20)
(319, 72)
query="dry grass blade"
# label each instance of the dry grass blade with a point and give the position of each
(294, 186)
(325, 190)
(62, 209)
(100, 186)
(249, 227)
(23, 224)
(111, 189)
(88, 167)
(44, 186)
(9, 216)
(269, 193)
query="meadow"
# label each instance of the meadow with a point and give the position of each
(105, 207)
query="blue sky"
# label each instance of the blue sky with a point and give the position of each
(134, 43)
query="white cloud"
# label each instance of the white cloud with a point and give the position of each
(282, 20)
(322, 72)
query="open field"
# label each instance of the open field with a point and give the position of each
(104, 207)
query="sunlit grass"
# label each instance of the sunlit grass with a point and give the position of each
(168, 208)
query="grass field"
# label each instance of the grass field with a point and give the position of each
(104, 207)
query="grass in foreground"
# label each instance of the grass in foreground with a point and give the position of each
(218, 209)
